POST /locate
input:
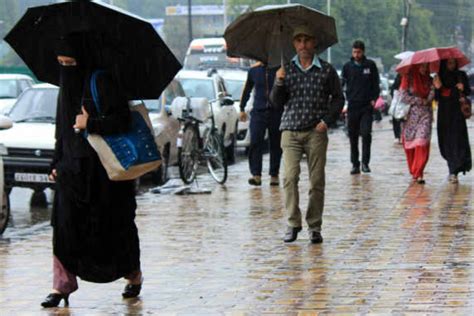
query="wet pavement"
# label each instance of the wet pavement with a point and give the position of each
(390, 247)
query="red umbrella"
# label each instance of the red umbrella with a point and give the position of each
(433, 57)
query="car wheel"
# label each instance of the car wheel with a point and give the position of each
(4, 212)
(38, 198)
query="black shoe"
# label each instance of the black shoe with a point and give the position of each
(53, 300)
(315, 237)
(291, 234)
(355, 170)
(131, 290)
(365, 168)
(255, 181)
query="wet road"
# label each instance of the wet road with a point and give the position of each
(391, 247)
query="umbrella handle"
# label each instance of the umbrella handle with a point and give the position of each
(282, 57)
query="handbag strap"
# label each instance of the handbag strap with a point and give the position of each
(93, 88)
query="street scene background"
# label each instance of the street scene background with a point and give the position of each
(391, 246)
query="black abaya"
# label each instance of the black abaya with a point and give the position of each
(453, 136)
(94, 233)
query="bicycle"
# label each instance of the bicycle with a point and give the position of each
(194, 150)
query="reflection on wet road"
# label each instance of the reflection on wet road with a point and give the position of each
(391, 247)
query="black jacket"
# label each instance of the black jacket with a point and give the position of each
(361, 81)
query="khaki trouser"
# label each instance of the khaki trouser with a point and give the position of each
(314, 145)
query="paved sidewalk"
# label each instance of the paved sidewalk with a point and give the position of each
(391, 247)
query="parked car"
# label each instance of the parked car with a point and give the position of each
(210, 85)
(11, 86)
(235, 81)
(205, 53)
(166, 128)
(30, 141)
(4, 201)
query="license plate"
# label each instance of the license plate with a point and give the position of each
(32, 177)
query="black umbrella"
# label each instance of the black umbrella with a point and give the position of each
(266, 33)
(108, 37)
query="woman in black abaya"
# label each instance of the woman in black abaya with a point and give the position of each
(452, 129)
(94, 233)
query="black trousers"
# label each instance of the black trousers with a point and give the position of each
(260, 121)
(360, 124)
(397, 127)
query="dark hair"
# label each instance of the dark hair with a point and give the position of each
(359, 44)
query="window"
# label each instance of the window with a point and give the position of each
(172, 91)
(201, 88)
(235, 88)
(36, 105)
(24, 84)
(8, 89)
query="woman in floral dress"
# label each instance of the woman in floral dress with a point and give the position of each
(416, 89)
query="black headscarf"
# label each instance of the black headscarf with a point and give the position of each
(448, 78)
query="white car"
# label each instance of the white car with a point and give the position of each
(210, 85)
(206, 53)
(11, 86)
(30, 141)
(166, 128)
(235, 82)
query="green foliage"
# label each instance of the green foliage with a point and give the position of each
(377, 23)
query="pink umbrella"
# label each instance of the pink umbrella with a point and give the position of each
(432, 56)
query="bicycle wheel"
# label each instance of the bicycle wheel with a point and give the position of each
(215, 156)
(4, 212)
(188, 154)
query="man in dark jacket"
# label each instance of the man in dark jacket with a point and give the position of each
(310, 91)
(262, 118)
(361, 79)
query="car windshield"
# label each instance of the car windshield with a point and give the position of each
(235, 88)
(172, 91)
(8, 89)
(201, 88)
(38, 105)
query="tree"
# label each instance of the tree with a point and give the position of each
(376, 22)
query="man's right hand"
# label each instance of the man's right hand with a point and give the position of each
(53, 175)
(243, 117)
(280, 75)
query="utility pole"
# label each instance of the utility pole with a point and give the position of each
(190, 22)
(224, 4)
(329, 13)
(404, 23)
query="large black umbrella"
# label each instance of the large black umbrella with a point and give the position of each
(108, 37)
(266, 33)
